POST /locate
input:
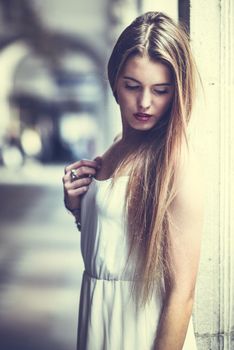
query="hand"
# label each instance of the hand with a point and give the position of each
(74, 188)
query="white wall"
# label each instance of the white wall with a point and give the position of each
(213, 135)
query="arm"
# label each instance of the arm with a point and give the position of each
(186, 213)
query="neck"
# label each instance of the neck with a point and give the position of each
(132, 139)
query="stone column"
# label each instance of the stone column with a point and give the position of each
(227, 174)
(212, 35)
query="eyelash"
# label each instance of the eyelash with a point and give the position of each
(162, 92)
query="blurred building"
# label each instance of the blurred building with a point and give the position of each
(53, 58)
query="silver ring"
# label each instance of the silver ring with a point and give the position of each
(74, 175)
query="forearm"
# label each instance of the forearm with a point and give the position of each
(173, 323)
(77, 214)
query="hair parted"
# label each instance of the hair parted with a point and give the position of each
(152, 182)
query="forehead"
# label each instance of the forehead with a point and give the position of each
(146, 70)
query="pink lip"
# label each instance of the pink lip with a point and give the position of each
(142, 116)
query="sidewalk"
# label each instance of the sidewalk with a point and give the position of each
(40, 262)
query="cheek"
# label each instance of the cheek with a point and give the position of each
(165, 102)
(124, 100)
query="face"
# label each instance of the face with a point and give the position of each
(145, 91)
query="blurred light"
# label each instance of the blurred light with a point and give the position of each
(12, 157)
(69, 125)
(31, 142)
(77, 126)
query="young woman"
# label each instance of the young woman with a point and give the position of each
(140, 204)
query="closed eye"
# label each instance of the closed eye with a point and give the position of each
(155, 91)
(161, 92)
(132, 87)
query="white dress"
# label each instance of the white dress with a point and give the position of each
(109, 319)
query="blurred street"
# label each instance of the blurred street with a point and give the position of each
(40, 262)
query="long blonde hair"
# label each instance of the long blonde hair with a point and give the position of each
(152, 182)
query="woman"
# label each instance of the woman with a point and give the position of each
(140, 204)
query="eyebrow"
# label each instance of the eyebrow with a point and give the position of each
(137, 81)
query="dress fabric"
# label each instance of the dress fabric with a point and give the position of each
(109, 318)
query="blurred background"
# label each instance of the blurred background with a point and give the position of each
(56, 107)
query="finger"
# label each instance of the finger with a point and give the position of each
(85, 171)
(74, 193)
(85, 181)
(67, 177)
(80, 172)
(80, 163)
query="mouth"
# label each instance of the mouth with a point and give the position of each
(142, 116)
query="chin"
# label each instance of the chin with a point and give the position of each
(143, 126)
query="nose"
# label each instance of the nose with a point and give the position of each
(144, 100)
